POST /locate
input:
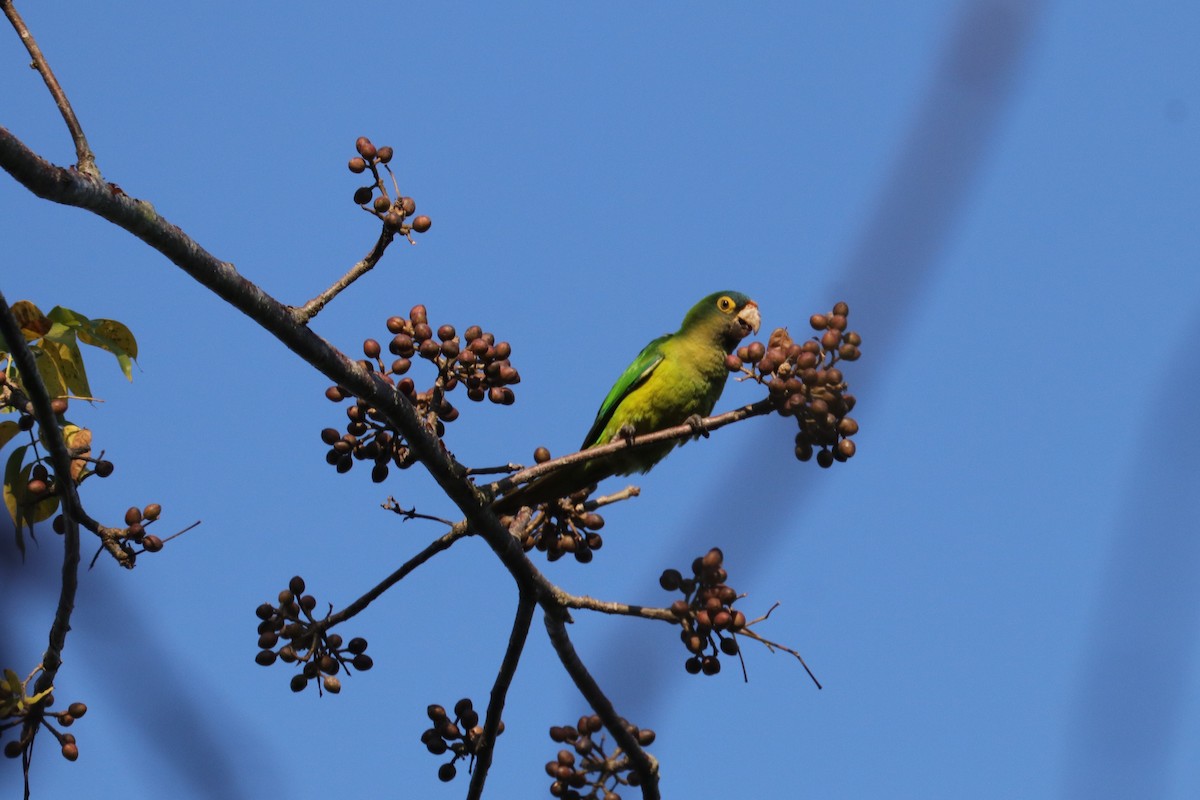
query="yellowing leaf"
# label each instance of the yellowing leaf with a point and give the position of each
(48, 369)
(78, 439)
(8, 429)
(69, 361)
(12, 474)
(33, 322)
(115, 337)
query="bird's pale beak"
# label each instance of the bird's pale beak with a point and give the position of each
(748, 316)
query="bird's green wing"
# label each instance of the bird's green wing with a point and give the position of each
(633, 376)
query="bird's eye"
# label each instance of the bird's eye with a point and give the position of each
(726, 303)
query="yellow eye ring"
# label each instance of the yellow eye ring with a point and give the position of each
(725, 303)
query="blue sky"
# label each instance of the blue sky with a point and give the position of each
(998, 592)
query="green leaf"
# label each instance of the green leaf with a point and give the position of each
(116, 338)
(8, 429)
(68, 318)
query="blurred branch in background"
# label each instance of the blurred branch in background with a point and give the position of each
(153, 689)
(1134, 678)
(891, 262)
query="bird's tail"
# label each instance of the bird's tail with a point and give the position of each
(564, 482)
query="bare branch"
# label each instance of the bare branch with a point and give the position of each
(508, 668)
(411, 513)
(586, 603)
(609, 499)
(643, 763)
(85, 160)
(306, 312)
(436, 546)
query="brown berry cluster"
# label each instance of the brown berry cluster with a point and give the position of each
(18, 708)
(804, 382)
(595, 771)
(560, 527)
(706, 612)
(308, 643)
(461, 736)
(475, 361)
(394, 212)
(134, 534)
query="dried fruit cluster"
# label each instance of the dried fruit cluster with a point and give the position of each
(18, 707)
(803, 382)
(594, 769)
(307, 641)
(136, 520)
(461, 736)
(560, 526)
(475, 361)
(706, 612)
(393, 212)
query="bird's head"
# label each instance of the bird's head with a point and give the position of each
(728, 316)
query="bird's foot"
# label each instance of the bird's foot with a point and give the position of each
(627, 432)
(696, 423)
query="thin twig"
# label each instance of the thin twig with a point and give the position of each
(510, 467)
(508, 668)
(585, 603)
(31, 380)
(182, 532)
(411, 513)
(644, 763)
(609, 499)
(433, 548)
(306, 312)
(85, 159)
(772, 646)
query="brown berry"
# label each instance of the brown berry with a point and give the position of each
(421, 224)
(382, 204)
(364, 147)
(103, 469)
(541, 455)
(357, 165)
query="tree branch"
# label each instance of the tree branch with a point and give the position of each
(85, 160)
(508, 668)
(684, 431)
(436, 546)
(643, 763)
(306, 312)
(52, 436)
(140, 219)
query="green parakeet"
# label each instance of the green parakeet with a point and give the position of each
(675, 377)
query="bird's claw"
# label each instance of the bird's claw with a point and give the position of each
(627, 432)
(696, 423)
